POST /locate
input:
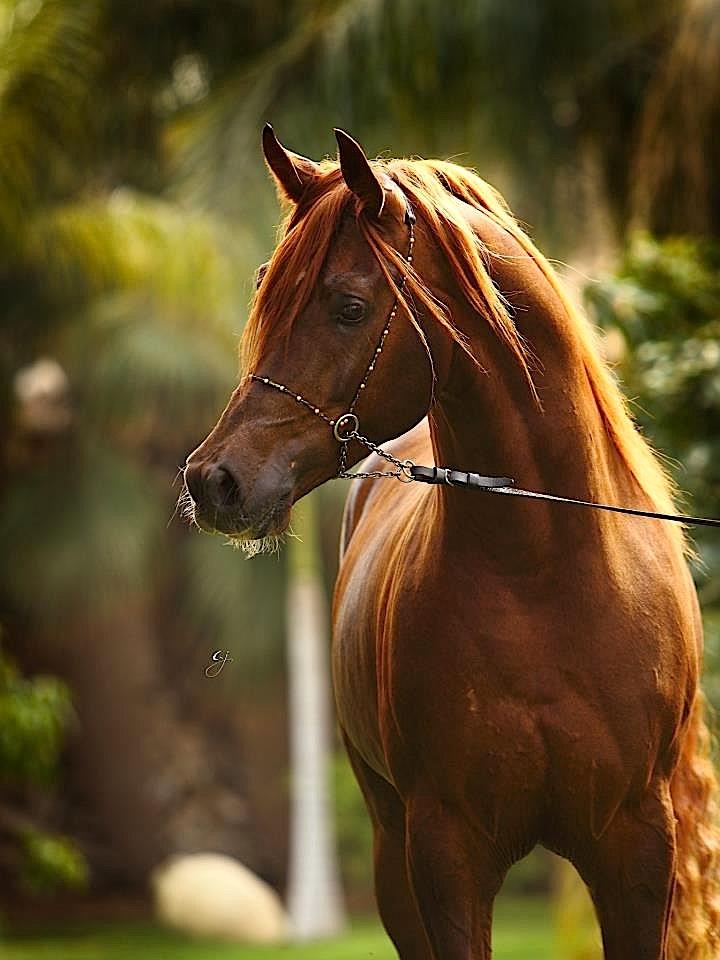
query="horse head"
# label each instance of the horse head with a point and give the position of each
(319, 334)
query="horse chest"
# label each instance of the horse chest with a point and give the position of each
(404, 668)
(511, 678)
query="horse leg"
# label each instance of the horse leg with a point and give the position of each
(395, 900)
(455, 880)
(631, 875)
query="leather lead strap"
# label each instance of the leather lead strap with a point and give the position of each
(345, 427)
(458, 478)
(506, 487)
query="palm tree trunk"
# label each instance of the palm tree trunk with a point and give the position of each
(314, 896)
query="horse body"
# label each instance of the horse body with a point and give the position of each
(507, 672)
(539, 702)
(574, 666)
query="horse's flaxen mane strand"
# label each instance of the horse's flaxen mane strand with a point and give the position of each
(432, 200)
(619, 425)
(431, 187)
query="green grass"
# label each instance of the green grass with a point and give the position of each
(522, 930)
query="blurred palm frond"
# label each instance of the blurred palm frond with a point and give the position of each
(47, 54)
(127, 240)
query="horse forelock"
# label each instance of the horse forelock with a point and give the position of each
(294, 267)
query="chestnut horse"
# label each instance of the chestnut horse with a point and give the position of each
(507, 672)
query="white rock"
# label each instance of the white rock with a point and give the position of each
(42, 392)
(211, 895)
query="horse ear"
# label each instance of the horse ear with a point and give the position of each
(291, 171)
(358, 174)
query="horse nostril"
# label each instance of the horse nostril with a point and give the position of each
(220, 486)
(211, 485)
(194, 480)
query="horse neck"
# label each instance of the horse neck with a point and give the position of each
(489, 422)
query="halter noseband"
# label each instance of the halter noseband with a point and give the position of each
(346, 426)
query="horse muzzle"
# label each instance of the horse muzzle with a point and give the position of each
(225, 502)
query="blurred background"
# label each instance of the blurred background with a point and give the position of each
(134, 211)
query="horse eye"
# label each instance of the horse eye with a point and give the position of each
(352, 312)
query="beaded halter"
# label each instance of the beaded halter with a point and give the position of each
(346, 426)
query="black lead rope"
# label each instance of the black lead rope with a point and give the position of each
(506, 487)
(346, 427)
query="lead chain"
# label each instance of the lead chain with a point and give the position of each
(401, 473)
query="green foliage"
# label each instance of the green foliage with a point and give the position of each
(128, 240)
(47, 56)
(34, 715)
(664, 302)
(577, 932)
(139, 298)
(711, 681)
(50, 863)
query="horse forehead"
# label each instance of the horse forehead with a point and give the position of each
(349, 255)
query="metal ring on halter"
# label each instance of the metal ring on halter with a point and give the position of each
(342, 421)
(404, 476)
(447, 476)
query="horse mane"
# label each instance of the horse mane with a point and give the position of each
(432, 186)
